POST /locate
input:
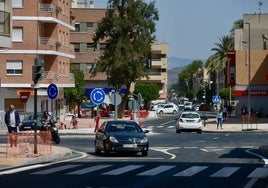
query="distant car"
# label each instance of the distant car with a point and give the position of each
(181, 107)
(169, 108)
(204, 107)
(188, 105)
(27, 123)
(121, 136)
(189, 121)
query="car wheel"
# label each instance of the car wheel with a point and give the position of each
(178, 131)
(161, 112)
(174, 112)
(199, 131)
(144, 153)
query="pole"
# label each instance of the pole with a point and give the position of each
(35, 119)
(249, 76)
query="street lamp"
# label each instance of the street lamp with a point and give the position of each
(249, 105)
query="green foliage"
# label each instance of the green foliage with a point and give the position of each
(225, 93)
(187, 74)
(128, 29)
(149, 92)
(74, 96)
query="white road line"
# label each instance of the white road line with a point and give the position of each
(56, 169)
(191, 171)
(156, 170)
(88, 170)
(123, 170)
(165, 150)
(167, 122)
(225, 172)
(22, 169)
(190, 147)
(259, 173)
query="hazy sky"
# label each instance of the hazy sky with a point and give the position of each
(192, 27)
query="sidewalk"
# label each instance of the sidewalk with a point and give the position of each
(86, 126)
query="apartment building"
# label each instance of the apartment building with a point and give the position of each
(86, 56)
(247, 66)
(40, 29)
(5, 24)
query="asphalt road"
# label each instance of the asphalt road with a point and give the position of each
(174, 160)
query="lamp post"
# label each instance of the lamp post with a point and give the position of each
(249, 77)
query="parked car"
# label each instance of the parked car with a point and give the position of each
(28, 122)
(121, 136)
(204, 107)
(189, 121)
(169, 108)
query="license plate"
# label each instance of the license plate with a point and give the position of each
(130, 145)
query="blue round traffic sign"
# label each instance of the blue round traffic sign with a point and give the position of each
(97, 96)
(52, 91)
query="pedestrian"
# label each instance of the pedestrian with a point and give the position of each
(12, 120)
(219, 119)
(244, 112)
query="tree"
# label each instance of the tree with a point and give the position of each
(148, 92)
(75, 96)
(186, 76)
(128, 28)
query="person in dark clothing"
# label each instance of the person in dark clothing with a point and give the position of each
(244, 112)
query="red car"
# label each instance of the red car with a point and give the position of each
(204, 107)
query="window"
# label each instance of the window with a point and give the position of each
(90, 45)
(17, 3)
(14, 67)
(90, 24)
(4, 23)
(17, 34)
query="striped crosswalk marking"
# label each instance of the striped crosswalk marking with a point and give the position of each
(156, 170)
(191, 171)
(123, 170)
(56, 169)
(225, 172)
(88, 170)
(259, 173)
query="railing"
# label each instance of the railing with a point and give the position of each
(47, 41)
(46, 8)
(49, 75)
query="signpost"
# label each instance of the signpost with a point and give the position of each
(97, 96)
(116, 99)
(52, 91)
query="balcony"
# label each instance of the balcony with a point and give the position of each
(47, 8)
(47, 41)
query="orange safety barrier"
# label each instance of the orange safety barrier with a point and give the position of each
(22, 144)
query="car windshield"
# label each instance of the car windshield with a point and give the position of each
(123, 127)
(190, 115)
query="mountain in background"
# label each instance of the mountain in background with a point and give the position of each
(178, 62)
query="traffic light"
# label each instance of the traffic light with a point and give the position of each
(204, 95)
(148, 63)
(37, 70)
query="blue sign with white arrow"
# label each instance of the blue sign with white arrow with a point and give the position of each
(97, 96)
(52, 91)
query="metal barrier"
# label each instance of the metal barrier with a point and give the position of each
(22, 144)
(249, 122)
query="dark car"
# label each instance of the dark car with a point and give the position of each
(27, 123)
(204, 107)
(121, 136)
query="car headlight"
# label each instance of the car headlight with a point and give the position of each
(113, 139)
(144, 140)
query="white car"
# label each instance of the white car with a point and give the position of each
(169, 108)
(189, 121)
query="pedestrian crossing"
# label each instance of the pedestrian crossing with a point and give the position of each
(149, 171)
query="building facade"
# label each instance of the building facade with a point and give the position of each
(86, 56)
(249, 64)
(40, 29)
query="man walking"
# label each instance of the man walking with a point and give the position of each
(12, 120)
(219, 119)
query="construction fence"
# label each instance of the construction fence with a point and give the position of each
(23, 145)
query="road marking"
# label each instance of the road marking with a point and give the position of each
(56, 169)
(123, 170)
(191, 171)
(22, 169)
(167, 122)
(190, 147)
(225, 172)
(165, 150)
(259, 173)
(156, 170)
(88, 170)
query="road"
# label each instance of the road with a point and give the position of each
(174, 160)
